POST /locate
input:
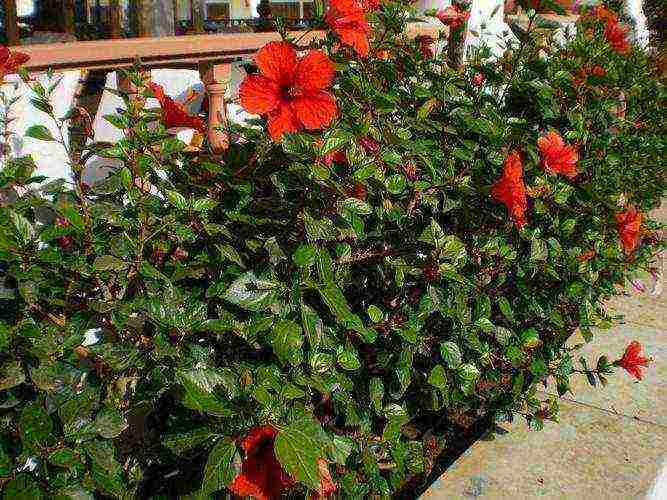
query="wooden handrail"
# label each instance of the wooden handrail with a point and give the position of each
(171, 51)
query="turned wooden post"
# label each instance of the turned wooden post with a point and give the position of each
(197, 14)
(114, 19)
(68, 17)
(11, 23)
(215, 78)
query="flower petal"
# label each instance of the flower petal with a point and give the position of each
(314, 72)
(276, 61)
(358, 40)
(259, 95)
(281, 121)
(315, 111)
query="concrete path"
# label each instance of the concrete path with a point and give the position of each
(611, 442)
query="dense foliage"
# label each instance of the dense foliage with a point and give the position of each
(410, 241)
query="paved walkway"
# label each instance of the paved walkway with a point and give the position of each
(610, 444)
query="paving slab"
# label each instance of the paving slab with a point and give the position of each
(590, 455)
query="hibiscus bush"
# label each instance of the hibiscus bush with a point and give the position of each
(396, 248)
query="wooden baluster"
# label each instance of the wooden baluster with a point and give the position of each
(68, 17)
(137, 17)
(197, 14)
(215, 78)
(11, 23)
(114, 19)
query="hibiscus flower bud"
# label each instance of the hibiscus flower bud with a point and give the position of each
(369, 144)
(65, 242)
(179, 254)
(478, 80)
(431, 272)
(598, 71)
(61, 222)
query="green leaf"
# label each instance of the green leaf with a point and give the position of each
(538, 250)
(218, 472)
(348, 360)
(39, 132)
(375, 314)
(182, 442)
(297, 447)
(287, 342)
(451, 354)
(177, 199)
(36, 426)
(506, 309)
(438, 377)
(305, 255)
(22, 487)
(335, 300)
(530, 338)
(23, 226)
(433, 234)
(110, 423)
(319, 229)
(109, 263)
(11, 375)
(199, 387)
(252, 293)
(376, 389)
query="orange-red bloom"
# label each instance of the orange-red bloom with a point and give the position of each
(10, 61)
(510, 189)
(290, 91)
(262, 477)
(603, 14)
(174, 114)
(371, 4)
(348, 19)
(558, 157)
(632, 360)
(453, 16)
(616, 36)
(629, 226)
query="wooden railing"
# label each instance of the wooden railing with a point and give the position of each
(212, 55)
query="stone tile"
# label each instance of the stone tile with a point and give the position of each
(645, 400)
(641, 309)
(590, 454)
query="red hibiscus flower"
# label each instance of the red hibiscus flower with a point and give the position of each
(558, 157)
(616, 36)
(174, 114)
(510, 189)
(262, 476)
(348, 19)
(629, 225)
(453, 16)
(425, 44)
(632, 360)
(290, 91)
(10, 61)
